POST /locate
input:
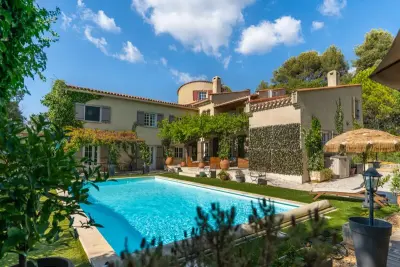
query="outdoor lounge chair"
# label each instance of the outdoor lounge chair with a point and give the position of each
(360, 193)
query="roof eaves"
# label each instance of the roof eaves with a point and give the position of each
(203, 81)
(130, 97)
(327, 87)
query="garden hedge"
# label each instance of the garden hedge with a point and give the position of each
(276, 149)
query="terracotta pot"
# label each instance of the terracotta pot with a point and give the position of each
(183, 164)
(398, 200)
(201, 165)
(169, 161)
(224, 164)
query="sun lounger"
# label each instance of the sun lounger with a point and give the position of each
(359, 193)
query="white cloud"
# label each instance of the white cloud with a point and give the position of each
(172, 48)
(184, 77)
(100, 43)
(80, 3)
(226, 61)
(106, 23)
(164, 61)
(100, 18)
(130, 53)
(332, 7)
(66, 21)
(352, 70)
(317, 25)
(202, 25)
(261, 38)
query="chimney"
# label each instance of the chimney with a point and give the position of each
(333, 78)
(216, 85)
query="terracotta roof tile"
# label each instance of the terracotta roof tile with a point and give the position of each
(232, 101)
(130, 97)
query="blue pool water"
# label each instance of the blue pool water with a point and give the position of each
(153, 207)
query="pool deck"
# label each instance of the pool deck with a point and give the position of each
(99, 251)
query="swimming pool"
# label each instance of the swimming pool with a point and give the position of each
(156, 207)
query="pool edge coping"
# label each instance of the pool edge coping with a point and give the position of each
(238, 192)
(99, 251)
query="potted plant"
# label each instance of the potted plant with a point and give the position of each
(35, 164)
(223, 153)
(145, 155)
(395, 185)
(223, 175)
(239, 176)
(169, 157)
(314, 149)
(353, 168)
(113, 155)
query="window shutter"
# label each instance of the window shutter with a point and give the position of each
(353, 107)
(171, 118)
(79, 111)
(195, 95)
(140, 118)
(160, 117)
(106, 114)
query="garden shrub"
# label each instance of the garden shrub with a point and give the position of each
(276, 149)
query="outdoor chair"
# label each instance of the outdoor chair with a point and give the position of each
(259, 177)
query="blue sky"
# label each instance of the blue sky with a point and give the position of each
(150, 47)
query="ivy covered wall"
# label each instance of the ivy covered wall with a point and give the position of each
(276, 149)
(61, 104)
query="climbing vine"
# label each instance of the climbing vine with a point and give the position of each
(313, 145)
(61, 104)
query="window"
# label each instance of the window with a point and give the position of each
(202, 95)
(150, 119)
(326, 136)
(178, 152)
(92, 113)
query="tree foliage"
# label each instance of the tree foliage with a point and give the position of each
(263, 85)
(61, 104)
(376, 44)
(381, 104)
(313, 145)
(309, 69)
(13, 110)
(191, 128)
(34, 165)
(24, 33)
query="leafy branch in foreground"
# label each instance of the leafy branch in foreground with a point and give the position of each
(218, 241)
(41, 185)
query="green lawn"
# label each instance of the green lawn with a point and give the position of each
(345, 209)
(71, 249)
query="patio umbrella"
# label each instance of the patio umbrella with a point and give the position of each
(388, 71)
(363, 140)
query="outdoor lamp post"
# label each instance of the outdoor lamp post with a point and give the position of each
(371, 181)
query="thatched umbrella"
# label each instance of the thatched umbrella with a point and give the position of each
(363, 140)
(387, 73)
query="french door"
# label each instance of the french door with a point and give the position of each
(92, 154)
